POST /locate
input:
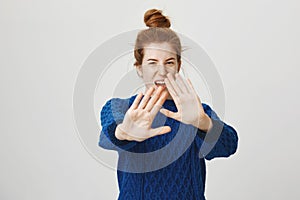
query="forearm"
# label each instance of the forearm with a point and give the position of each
(206, 124)
(220, 141)
(111, 138)
(215, 138)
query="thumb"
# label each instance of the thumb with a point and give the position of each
(167, 112)
(161, 130)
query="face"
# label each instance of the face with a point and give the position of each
(159, 60)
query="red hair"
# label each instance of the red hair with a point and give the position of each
(158, 32)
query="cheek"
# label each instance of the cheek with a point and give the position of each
(149, 71)
(172, 70)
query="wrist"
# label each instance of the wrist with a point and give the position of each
(206, 125)
(119, 134)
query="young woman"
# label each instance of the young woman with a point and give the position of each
(169, 114)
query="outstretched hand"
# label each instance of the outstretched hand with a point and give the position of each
(139, 117)
(189, 107)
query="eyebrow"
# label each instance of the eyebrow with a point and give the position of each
(152, 59)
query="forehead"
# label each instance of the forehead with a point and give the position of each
(159, 50)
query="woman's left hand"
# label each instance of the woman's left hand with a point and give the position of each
(189, 107)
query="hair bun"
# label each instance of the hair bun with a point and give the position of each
(155, 18)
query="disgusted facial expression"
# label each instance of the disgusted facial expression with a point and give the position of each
(159, 59)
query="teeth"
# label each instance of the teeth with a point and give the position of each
(159, 82)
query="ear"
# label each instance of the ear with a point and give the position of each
(139, 71)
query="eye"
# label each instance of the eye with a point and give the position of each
(170, 63)
(152, 63)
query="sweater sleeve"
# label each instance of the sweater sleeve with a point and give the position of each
(220, 141)
(111, 115)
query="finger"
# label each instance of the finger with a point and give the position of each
(136, 101)
(168, 113)
(154, 98)
(181, 83)
(146, 98)
(173, 93)
(174, 84)
(162, 98)
(159, 103)
(191, 85)
(160, 131)
(170, 87)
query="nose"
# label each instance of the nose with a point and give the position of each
(162, 70)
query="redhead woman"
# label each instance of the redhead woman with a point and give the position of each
(163, 136)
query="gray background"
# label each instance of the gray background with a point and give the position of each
(255, 46)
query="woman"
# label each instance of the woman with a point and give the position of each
(148, 123)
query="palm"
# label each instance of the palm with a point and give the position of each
(138, 119)
(190, 110)
(138, 124)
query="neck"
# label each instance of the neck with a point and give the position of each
(169, 97)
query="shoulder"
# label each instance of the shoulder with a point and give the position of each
(118, 103)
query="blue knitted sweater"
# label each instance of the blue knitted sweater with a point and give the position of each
(169, 166)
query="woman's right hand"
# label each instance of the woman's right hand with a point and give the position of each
(138, 119)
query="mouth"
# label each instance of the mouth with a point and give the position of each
(159, 82)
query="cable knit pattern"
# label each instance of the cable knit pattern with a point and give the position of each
(184, 178)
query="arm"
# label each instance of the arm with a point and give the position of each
(111, 115)
(220, 141)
